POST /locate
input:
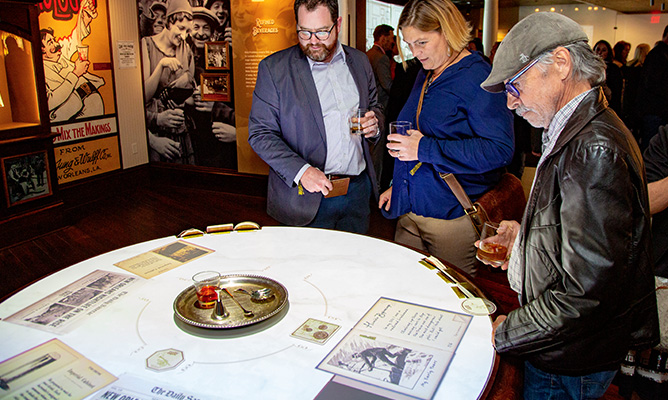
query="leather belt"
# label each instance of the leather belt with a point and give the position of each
(338, 176)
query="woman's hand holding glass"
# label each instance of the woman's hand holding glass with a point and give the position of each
(405, 148)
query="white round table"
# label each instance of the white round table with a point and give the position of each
(329, 275)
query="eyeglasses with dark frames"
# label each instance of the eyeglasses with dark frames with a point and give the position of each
(320, 35)
(510, 88)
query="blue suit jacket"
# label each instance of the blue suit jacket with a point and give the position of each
(286, 128)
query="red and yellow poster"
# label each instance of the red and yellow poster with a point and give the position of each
(85, 159)
(76, 54)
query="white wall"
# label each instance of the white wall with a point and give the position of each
(128, 85)
(610, 25)
(378, 12)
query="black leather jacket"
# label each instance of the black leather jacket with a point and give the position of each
(588, 286)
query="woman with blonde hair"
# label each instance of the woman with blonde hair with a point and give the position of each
(457, 128)
(631, 113)
(639, 57)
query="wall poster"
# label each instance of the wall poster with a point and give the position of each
(76, 53)
(189, 100)
(26, 177)
(259, 28)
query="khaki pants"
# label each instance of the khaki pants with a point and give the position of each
(450, 240)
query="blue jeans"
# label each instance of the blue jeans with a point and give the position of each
(349, 212)
(539, 385)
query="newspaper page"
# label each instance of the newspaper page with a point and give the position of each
(398, 349)
(132, 387)
(51, 370)
(163, 259)
(68, 307)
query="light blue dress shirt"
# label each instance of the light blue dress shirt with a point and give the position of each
(338, 97)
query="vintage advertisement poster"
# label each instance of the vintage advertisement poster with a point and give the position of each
(163, 259)
(52, 370)
(84, 159)
(63, 310)
(259, 28)
(188, 90)
(398, 348)
(76, 54)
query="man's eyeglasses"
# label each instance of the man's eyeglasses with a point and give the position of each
(510, 88)
(320, 35)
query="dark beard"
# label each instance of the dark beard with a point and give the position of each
(319, 55)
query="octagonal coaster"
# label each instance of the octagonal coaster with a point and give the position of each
(163, 360)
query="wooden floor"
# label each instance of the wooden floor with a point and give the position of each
(132, 217)
(157, 211)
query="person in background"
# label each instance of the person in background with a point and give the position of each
(391, 54)
(169, 70)
(221, 8)
(633, 71)
(621, 53)
(656, 165)
(492, 52)
(159, 10)
(614, 82)
(581, 259)
(298, 125)
(383, 37)
(476, 45)
(653, 91)
(639, 57)
(458, 128)
(214, 133)
(381, 63)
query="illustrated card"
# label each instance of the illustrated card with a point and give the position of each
(315, 331)
(399, 348)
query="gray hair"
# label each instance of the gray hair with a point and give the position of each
(587, 66)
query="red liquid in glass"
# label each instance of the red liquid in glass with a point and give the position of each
(207, 296)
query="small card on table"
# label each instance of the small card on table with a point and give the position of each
(315, 331)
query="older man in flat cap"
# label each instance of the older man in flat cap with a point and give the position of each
(581, 260)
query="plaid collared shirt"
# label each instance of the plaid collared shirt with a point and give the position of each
(550, 136)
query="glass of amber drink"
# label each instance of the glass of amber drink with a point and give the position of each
(493, 248)
(355, 121)
(206, 283)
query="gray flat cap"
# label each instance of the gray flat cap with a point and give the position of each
(529, 38)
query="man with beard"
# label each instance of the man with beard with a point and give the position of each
(214, 135)
(581, 261)
(320, 174)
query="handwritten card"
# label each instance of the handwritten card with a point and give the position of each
(398, 348)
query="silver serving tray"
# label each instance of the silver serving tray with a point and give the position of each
(186, 309)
